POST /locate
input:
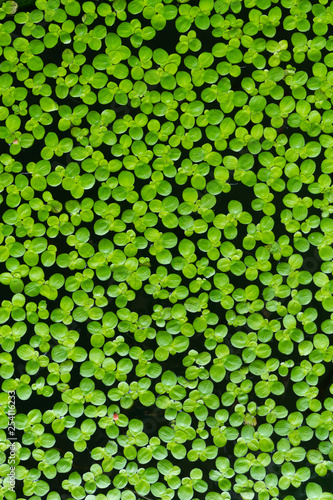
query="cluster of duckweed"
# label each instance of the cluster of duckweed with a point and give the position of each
(166, 249)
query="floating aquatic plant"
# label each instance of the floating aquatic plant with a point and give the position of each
(166, 247)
